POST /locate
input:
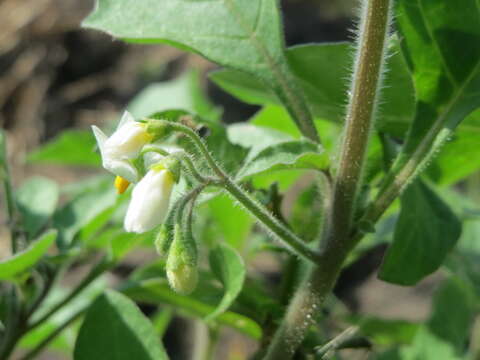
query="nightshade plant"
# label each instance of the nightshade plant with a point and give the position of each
(409, 109)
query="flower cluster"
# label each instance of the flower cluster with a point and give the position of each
(151, 194)
(126, 155)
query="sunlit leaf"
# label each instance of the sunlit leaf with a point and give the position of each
(115, 328)
(228, 266)
(24, 260)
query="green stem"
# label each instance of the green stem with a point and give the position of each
(337, 243)
(8, 190)
(40, 346)
(13, 324)
(96, 271)
(287, 237)
(338, 342)
(401, 176)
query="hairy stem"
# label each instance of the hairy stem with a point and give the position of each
(337, 242)
(287, 237)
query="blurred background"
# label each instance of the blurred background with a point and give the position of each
(55, 76)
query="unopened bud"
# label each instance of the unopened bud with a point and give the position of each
(158, 129)
(181, 266)
(164, 239)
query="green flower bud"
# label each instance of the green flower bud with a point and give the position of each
(158, 129)
(164, 239)
(181, 266)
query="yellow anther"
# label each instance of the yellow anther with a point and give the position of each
(121, 184)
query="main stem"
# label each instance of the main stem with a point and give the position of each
(337, 241)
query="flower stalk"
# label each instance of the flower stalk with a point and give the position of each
(287, 237)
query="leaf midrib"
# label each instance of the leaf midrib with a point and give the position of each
(261, 48)
(435, 44)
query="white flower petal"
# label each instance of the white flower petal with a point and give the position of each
(100, 137)
(121, 168)
(127, 141)
(150, 201)
(126, 118)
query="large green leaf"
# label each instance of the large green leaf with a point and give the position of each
(233, 223)
(242, 35)
(71, 147)
(199, 304)
(441, 42)
(24, 260)
(37, 199)
(228, 32)
(297, 154)
(461, 155)
(115, 328)
(181, 93)
(425, 233)
(323, 71)
(228, 266)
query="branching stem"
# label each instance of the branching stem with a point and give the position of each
(290, 240)
(337, 242)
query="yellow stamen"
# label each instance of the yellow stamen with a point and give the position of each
(121, 184)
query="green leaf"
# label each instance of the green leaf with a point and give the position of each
(228, 266)
(232, 32)
(276, 117)
(388, 332)
(446, 333)
(37, 199)
(425, 233)
(453, 326)
(27, 258)
(461, 155)
(255, 137)
(114, 328)
(183, 92)
(297, 154)
(199, 304)
(81, 210)
(71, 147)
(306, 216)
(441, 42)
(233, 222)
(236, 34)
(66, 340)
(326, 86)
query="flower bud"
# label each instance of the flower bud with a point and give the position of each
(164, 239)
(181, 265)
(158, 129)
(150, 201)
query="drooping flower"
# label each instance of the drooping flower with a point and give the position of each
(150, 200)
(122, 147)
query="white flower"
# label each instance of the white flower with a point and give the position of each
(150, 200)
(122, 146)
